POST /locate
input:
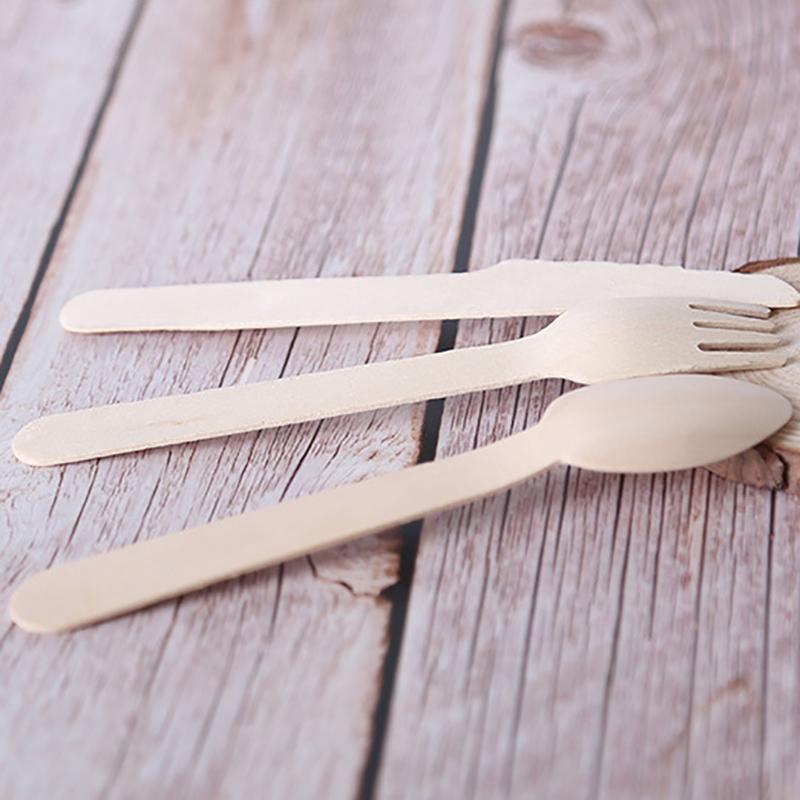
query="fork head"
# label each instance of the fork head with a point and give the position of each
(629, 337)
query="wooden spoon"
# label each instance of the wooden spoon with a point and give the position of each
(639, 425)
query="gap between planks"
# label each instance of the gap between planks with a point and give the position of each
(21, 323)
(398, 594)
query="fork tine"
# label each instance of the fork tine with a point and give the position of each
(731, 307)
(723, 339)
(718, 320)
(732, 361)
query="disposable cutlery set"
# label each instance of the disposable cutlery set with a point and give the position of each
(620, 324)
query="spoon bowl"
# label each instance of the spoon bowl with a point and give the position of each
(662, 424)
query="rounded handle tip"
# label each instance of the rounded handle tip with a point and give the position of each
(29, 609)
(30, 446)
(84, 313)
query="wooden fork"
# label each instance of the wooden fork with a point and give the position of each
(599, 341)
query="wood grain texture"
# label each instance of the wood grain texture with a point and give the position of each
(244, 140)
(775, 464)
(604, 637)
(52, 90)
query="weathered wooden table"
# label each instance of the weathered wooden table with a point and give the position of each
(582, 636)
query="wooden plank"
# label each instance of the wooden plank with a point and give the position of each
(244, 140)
(596, 636)
(52, 92)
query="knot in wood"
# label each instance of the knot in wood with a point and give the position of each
(558, 43)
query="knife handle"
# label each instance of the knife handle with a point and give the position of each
(303, 302)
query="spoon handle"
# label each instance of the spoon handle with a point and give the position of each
(173, 419)
(514, 288)
(100, 587)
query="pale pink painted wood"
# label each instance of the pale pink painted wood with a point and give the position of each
(590, 636)
(243, 140)
(585, 635)
(56, 63)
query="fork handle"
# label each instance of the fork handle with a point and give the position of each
(174, 419)
(97, 588)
